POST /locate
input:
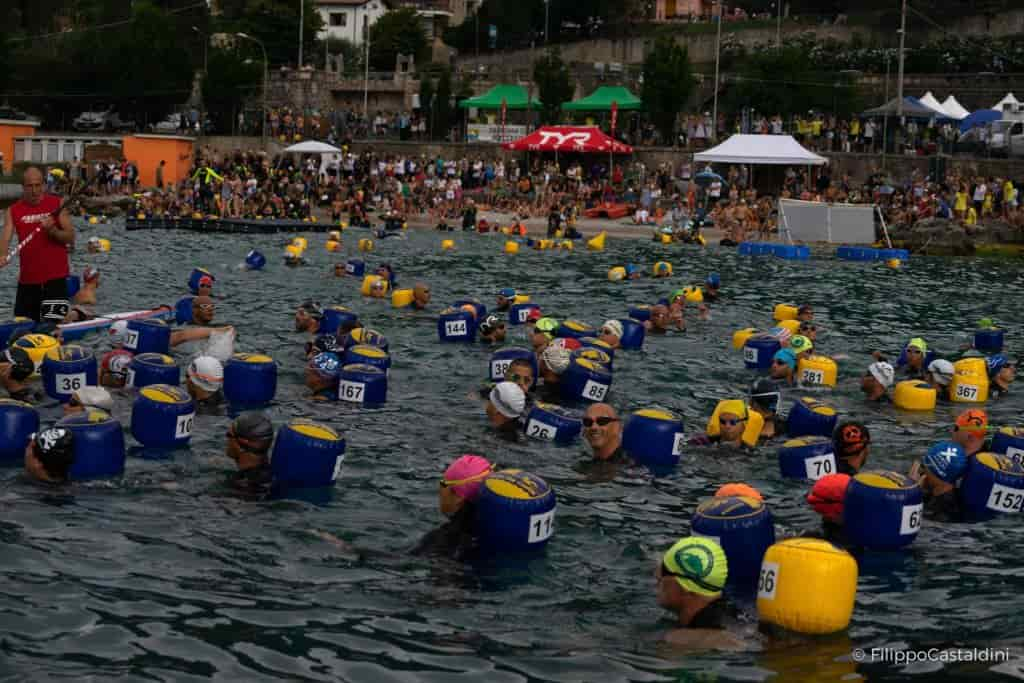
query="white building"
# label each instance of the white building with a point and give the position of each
(350, 19)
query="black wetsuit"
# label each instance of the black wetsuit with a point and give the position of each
(253, 483)
(619, 457)
(455, 539)
(946, 507)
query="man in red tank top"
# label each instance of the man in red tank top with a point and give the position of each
(44, 230)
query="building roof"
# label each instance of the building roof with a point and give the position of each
(344, 3)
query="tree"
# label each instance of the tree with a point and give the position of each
(443, 104)
(668, 84)
(229, 81)
(397, 32)
(427, 100)
(553, 84)
(276, 23)
(351, 54)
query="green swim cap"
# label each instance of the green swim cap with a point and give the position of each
(698, 564)
(546, 325)
(986, 324)
(676, 294)
(918, 344)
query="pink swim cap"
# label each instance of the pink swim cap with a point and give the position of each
(465, 475)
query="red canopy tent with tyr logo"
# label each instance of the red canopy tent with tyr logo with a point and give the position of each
(585, 139)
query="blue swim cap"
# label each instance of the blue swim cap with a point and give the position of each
(995, 364)
(327, 364)
(714, 280)
(630, 268)
(947, 461)
(787, 357)
(507, 292)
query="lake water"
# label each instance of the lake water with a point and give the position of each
(161, 576)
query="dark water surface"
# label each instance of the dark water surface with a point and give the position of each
(161, 576)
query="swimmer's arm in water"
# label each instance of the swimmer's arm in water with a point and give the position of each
(194, 333)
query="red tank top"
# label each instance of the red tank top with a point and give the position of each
(42, 259)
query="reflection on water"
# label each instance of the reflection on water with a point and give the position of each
(164, 577)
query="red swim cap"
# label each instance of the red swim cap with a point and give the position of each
(827, 494)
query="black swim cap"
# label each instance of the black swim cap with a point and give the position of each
(22, 366)
(312, 309)
(253, 426)
(766, 395)
(55, 448)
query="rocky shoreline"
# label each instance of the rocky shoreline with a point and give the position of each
(941, 237)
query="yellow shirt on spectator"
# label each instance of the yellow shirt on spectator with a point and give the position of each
(972, 216)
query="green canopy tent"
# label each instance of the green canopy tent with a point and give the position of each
(602, 99)
(515, 97)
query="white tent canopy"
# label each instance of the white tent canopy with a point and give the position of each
(313, 148)
(761, 149)
(954, 108)
(929, 101)
(1009, 99)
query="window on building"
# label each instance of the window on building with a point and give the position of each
(339, 19)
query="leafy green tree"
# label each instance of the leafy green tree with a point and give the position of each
(553, 84)
(232, 76)
(668, 84)
(276, 23)
(396, 32)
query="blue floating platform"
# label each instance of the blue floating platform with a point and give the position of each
(870, 254)
(792, 252)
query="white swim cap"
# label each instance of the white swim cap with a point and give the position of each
(508, 398)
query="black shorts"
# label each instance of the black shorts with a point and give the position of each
(47, 302)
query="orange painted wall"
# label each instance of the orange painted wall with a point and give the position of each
(148, 150)
(9, 131)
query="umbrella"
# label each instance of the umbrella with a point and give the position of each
(979, 118)
(707, 177)
(313, 148)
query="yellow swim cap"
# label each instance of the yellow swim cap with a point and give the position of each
(698, 564)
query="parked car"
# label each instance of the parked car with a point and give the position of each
(106, 120)
(12, 114)
(170, 124)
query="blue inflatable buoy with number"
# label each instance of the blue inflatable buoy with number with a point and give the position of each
(152, 368)
(148, 336)
(362, 383)
(515, 513)
(456, 325)
(18, 422)
(307, 455)
(807, 457)
(584, 379)
(993, 485)
(66, 369)
(882, 510)
(99, 445)
(163, 416)
(548, 422)
(502, 359)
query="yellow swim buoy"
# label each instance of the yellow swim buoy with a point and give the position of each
(333, 245)
(894, 263)
(666, 239)
(693, 294)
(301, 242)
(817, 371)
(511, 247)
(597, 243)
(368, 283)
(913, 394)
(661, 269)
(521, 299)
(793, 326)
(785, 312)
(93, 220)
(740, 337)
(365, 244)
(400, 298)
(566, 244)
(293, 251)
(617, 274)
(447, 245)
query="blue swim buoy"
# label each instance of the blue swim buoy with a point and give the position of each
(603, 347)
(574, 329)
(1009, 441)
(183, 310)
(250, 379)
(195, 276)
(481, 310)
(502, 359)
(633, 333)
(654, 437)
(365, 336)
(10, 328)
(162, 416)
(744, 528)
(367, 355)
(807, 457)
(355, 267)
(988, 340)
(810, 417)
(18, 422)
(586, 380)
(66, 369)
(519, 314)
(882, 510)
(99, 445)
(74, 284)
(254, 260)
(334, 318)
(549, 422)
(307, 455)
(147, 336)
(992, 485)
(515, 512)
(641, 313)
(759, 350)
(363, 383)
(594, 355)
(456, 325)
(147, 369)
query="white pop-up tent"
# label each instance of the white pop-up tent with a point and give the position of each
(761, 149)
(929, 101)
(954, 108)
(329, 154)
(1009, 99)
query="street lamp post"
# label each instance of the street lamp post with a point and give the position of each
(718, 58)
(302, 20)
(547, 4)
(899, 84)
(202, 101)
(366, 77)
(266, 70)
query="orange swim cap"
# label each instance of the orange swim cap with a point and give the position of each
(738, 489)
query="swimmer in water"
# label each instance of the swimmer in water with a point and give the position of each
(16, 367)
(94, 246)
(551, 364)
(505, 298)
(661, 320)
(805, 313)
(308, 317)
(86, 295)
(205, 286)
(711, 287)
(531, 321)
(379, 289)
(520, 371)
(939, 375)
(420, 296)
(677, 309)
(89, 398)
(851, 442)
(732, 422)
(543, 333)
(783, 367)
(204, 380)
(611, 333)
(917, 351)
(970, 431)
(808, 329)
(602, 431)
(765, 398)
(492, 330)
(49, 455)
(387, 273)
(339, 270)
(248, 442)
(662, 270)
(690, 579)
(939, 475)
(801, 346)
(877, 381)
(827, 498)
(1001, 373)
(457, 495)
(505, 407)
(324, 343)
(203, 310)
(322, 374)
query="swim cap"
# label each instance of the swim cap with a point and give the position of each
(567, 343)
(22, 366)
(325, 343)
(787, 357)
(556, 358)
(698, 564)
(205, 281)
(972, 420)
(942, 371)
(55, 448)
(489, 324)
(678, 294)
(95, 397)
(631, 268)
(996, 363)
(468, 308)
(116, 332)
(94, 240)
(312, 308)
(765, 394)
(533, 315)
(507, 292)
(799, 343)
(612, 327)
(508, 398)
(252, 426)
(947, 461)
(547, 326)
(918, 343)
(986, 324)
(465, 476)
(90, 274)
(850, 439)
(738, 489)
(116, 362)
(713, 280)
(206, 372)
(327, 365)
(827, 495)
(883, 372)
(661, 267)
